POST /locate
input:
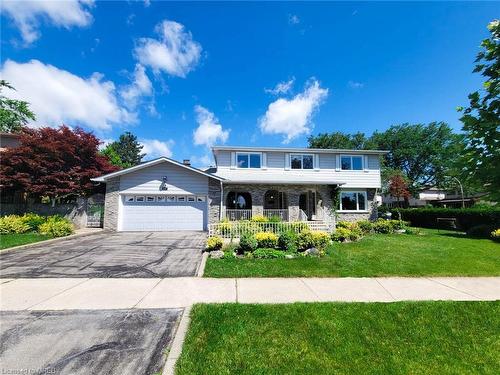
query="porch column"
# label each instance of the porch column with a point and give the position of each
(293, 204)
(257, 192)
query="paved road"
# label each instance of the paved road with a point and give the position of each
(109, 255)
(85, 342)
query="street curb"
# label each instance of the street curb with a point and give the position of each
(201, 267)
(176, 348)
(52, 240)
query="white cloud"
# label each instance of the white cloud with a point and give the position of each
(355, 85)
(282, 87)
(28, 14)
(292, 117)
(57, 96)
(140, 86)
(209, 131)
(203, 161)
(153, 148)
(175, 53)
(293, 19)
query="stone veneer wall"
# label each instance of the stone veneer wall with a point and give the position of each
(213, 201)
(370, 215)
(293, 192)
(111, 204)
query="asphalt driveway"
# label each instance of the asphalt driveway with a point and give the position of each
(104, 255)
(85, 341)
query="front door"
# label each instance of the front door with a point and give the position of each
(307, 203)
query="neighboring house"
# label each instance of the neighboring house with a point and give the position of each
(295, 184)
(425, 197)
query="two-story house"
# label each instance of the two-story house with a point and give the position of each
(295, 184)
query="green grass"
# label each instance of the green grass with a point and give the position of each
(11, 240)
(343, 338)
(431, 254)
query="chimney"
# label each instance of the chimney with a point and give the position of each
(186, 162)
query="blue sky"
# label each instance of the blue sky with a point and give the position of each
(184, 76)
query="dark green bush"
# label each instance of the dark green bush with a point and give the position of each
(481, 231)
(466, 217)
(383, 226)
(288, 241)
(264, 253)
(33, 220)
(365, 225)
(341, 234)
(247, 243)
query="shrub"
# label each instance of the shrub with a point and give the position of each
(365, 225)
(341, 234)
(228, 253)
(320, 239)
(265, 253)
(399, 224)
(266, 239)
(275, 219)
(383, 226)
(413, 230)
(355, 233)
(466, 217)
(288, 241)
(56, 226)
(214, 243)
(481, 231)
(259, 219)
(344, 224)
(13, 224)
(305, 240)
(247, 242)
(495, 235)
(33, 220)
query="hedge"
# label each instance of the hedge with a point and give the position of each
(466, 217)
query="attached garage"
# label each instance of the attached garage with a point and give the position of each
(160, 195)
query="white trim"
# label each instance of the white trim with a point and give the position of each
(357, 202)
(298, 150)
(151, 163)
(248, 154)
(352, 156)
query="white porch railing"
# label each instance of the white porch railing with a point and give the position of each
(281, 213)
(238, 214)
(302, 215)
(237, 228)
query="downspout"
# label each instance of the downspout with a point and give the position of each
(221, 198)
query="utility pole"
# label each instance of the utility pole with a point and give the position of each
(461, 191)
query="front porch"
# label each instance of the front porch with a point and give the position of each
(285, 202)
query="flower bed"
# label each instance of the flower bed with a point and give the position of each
(51, 226)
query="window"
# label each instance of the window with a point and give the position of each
(353, 201)
(351, 163)
(302, 161)
(191, 199)
(160, 198)
(129, 198)
(248, 160)
(139, 199)
(150, 199)
(201, 199)
(171, 198)
(181, 199)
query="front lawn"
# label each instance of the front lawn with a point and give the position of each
(344, 338)
(11, 240)
(430, 254)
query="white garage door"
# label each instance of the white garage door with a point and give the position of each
(163, 216)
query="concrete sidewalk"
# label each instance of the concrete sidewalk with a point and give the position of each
(78, 293)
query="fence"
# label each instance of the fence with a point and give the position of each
(237, 228)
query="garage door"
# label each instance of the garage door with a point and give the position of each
(163, 216)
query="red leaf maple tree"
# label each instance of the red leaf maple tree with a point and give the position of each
(398, 187)
(53, 163)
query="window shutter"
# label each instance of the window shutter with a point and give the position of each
(264, 160)
(316, 162)
(233, 160)
(365, 163)
(337, 163)
(287, 162)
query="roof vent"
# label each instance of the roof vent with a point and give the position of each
(186, 162)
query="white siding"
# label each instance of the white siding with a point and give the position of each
(224, 158)
(276, 160)
(179, 180)
(373, 162)
(327, 161)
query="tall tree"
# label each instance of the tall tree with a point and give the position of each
(14, 114)
(424, 153)
(126, 152)
(53, 163)
(339, 140)
(481, 119)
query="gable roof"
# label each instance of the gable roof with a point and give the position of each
(150, 163)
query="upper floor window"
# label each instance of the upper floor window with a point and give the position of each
(248, 160)
(351, 163)
(302, 161)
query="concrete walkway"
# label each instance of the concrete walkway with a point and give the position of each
(78, 293)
